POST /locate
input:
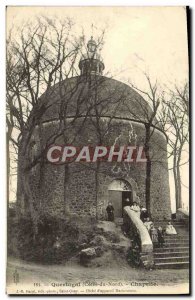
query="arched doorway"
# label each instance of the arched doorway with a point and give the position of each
(119, 190)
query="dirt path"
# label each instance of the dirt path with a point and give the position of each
(30, 273)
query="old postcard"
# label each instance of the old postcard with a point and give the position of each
(97, 150)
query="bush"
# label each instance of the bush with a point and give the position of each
(57, 239)
(112, 237)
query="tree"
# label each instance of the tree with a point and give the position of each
(175, 113)
(149, 117)
(41, 56)
(38, 64)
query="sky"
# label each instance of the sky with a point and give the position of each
(137, 40)
(148, 38)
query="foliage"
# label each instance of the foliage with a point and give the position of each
(57, 239)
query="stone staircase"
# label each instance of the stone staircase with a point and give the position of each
(175, 253)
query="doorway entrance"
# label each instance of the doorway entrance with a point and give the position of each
(119, 190)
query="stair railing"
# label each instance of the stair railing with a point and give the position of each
(141, 250)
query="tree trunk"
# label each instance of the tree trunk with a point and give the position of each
(179, 200)
(40, 133)
(66, 178)
(148, 169)
(24, 174)
(8, 172)
(96, 187)
(25, 178)
(8, 138)
(175, 177)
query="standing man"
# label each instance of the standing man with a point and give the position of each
(110, 212)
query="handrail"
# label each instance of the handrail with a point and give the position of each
(145, 240)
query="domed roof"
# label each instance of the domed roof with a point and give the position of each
(92, 94)
(80, 96)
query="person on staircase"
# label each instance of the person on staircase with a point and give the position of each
(148, 224)
(144, 214)
(135, 207)
(161, 239)
(170, 229)
(154, 235)
(110, 212)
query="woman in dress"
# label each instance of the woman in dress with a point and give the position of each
(170, 229)
(154, 234)
(148, 224)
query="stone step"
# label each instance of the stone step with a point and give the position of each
(164, 223)
(172, 221)
(171, 249)
(179, 236)
(172, 265)
(181, 241)
(171, 259)
(177, 226)
(176, 244)
(176, 238)
(175, 253)
(172, 254)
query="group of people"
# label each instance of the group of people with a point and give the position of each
(157, 234)
(110, 209)
(139, 210)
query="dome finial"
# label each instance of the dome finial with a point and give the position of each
(91, 62)
(91, 45)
